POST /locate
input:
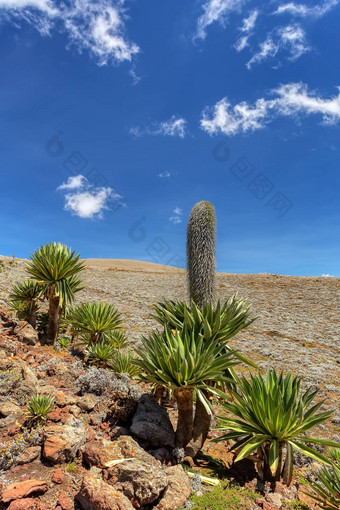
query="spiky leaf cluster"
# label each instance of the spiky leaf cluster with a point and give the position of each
(220, 322)
(55, 268)
(93, 320)
(124, 363)
(327, 486)
(178, 359)
(99, 353)
(39, 406)
(271, 411)
(26, 292)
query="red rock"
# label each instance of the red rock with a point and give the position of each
(23, 489)
(26, 504)
(54, 415)
(53, 446)
(64, 501)
(14, 430)
(58, 476)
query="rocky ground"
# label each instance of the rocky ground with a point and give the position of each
(99, 418)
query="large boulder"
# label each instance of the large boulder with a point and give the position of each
(140, 481)
(151, 423)
(95, 494)
(19, 490)
(178, 489)
(26, 333)
(62, 442)
(140, 477)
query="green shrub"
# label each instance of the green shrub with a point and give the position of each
(123, 363)
(270, 415)
(64, 342)
(93, 320)
(327, 486)
(24, 296)
(38, 407)
(225, 496)
(100, 353)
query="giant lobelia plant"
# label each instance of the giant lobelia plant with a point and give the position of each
(183, 361)
(268, 420)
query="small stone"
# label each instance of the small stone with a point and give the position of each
(30, 454)
(26, 333)
(10, 409)
(64, 501)
(274, 499)
(58, 476)
(88, 402)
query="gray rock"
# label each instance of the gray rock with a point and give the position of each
(177, 491)
(140, 481)
(152, 424)
(88, 402)
(10, 409)
(30, 454)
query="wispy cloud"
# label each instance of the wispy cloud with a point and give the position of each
(216, 10)
(85, 200)
(175, 126)
(305, 11)
(164, 175)
(74, 182)
(291, 100)
(248, 25)
(176, 219)
(96, 26)
(291, 39)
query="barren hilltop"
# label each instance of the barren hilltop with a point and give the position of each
(298, 317)
(297, 330)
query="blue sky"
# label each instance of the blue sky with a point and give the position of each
(118, 116)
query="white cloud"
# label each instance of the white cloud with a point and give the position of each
(291, 38)
(86, 200)
(328, 275)
(291, 99)
(216, 10)
(97, 26)
(164, 175)
(175, 126)
(176, 219)
(248, 25)
(42, 5)
(305, 11)
(77, 181)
